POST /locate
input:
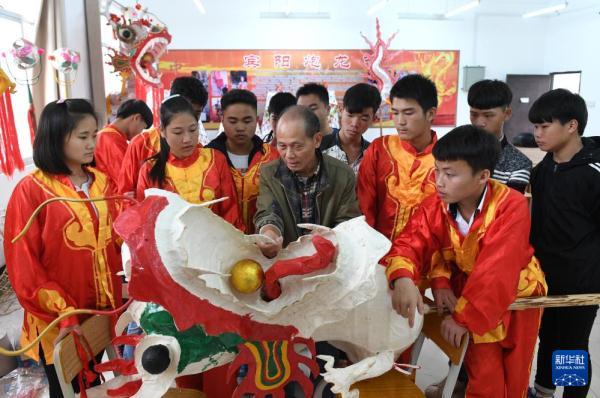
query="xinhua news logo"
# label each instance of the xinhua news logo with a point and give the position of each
(570, 368)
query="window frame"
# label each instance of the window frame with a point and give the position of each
(553, 74)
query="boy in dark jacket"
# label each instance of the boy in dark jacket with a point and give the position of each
(489, 102)
(565, 230)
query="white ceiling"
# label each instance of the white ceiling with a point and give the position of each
(500, 7)
(418, 7)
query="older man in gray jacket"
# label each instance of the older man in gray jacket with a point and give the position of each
(303, 186)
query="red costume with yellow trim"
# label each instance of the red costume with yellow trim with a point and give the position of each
(487, 269)
(69, 257)
(393, 180)
(200, 177)
(110, 151)
(247, 187)
(141, 147)
(247, 184)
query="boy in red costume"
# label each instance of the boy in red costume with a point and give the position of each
(133, 116)
(480, 229)
(396, 172)
(244, 150)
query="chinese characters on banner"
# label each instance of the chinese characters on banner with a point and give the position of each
(265, 72)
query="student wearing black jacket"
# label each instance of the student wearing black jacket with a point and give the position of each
(565, 228)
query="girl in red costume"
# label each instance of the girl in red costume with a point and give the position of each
(196, 174)
(69, 257)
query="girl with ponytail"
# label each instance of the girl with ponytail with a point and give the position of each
(182, 166)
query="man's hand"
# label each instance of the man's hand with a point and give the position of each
(405, 298)
(270, 249)
(444, 298)
(64, 332)
(452, 331)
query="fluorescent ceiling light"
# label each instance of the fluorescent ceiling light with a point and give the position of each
(295, 15)
(461, 9)
(289, 6)
(200, 6)
(547, 10)
(377, 6)
(411, 15)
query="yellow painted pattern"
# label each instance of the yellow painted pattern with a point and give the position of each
(190, 181)
(407, 184)
(497, 334)
(246, 186)
(51, 301)
(260, 363)
(397, 263)
(32, 326)
(530, 278)
(152, 140)
(79, 234)
(268, 359)
(440, 265)
(465, 252)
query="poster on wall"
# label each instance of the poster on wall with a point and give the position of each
(269, 71)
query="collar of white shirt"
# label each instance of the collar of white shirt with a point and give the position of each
(465, 225)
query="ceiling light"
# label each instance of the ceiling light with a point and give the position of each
(547, 10)
(295, 15)
(200, 6)
(461, 9)
(377, 6)
(411, 15)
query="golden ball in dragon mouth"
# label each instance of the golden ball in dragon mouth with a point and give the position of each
(247, 276)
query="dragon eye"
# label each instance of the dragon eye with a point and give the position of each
(156, 359)
(126, 34)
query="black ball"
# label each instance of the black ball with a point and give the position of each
(156, 359)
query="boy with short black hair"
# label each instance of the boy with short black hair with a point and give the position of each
(396, 172)
(315, 97)
(245, 151)
(565, 231)
(133, 116)
(480, 227)
(490, 102)
(278, 103)
(361, 103)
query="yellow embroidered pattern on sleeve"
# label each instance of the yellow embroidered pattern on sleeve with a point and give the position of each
(405, 189)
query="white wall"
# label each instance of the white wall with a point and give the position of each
(76, 38)
(504, 45)
(571, 44)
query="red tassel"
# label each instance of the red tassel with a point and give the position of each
(10, 154)
(31, 116)
(158, 95)
(140, 89)
(31, 122)
(85, 354)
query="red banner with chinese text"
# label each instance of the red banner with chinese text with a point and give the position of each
(267, 71)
